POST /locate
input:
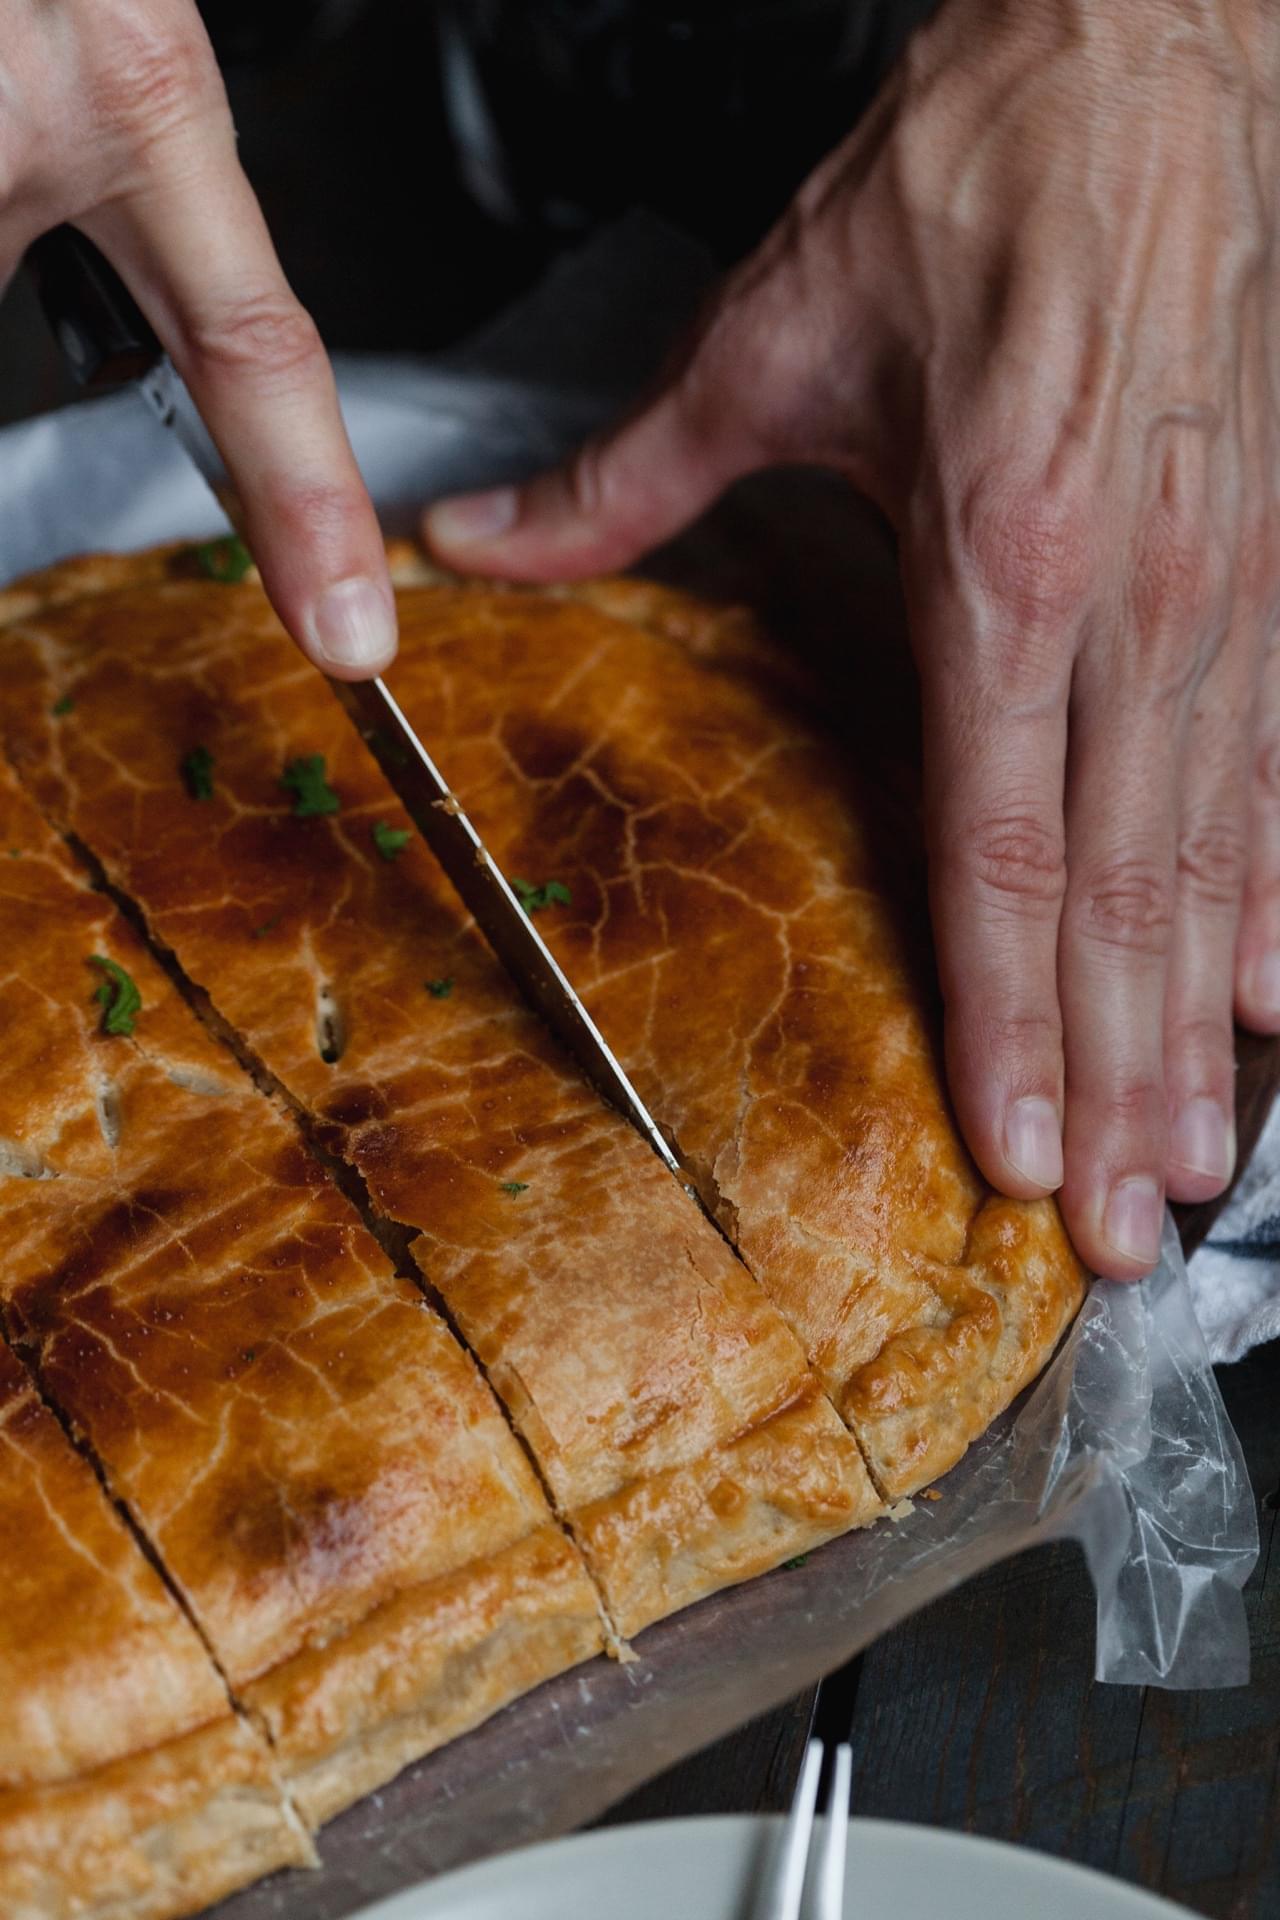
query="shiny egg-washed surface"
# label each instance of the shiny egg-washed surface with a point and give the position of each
(128, 1784)
(308, 1450)
(323, 1475)
(322, 1472)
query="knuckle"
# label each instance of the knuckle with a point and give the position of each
(1127, 905)
(1019, 859)
(1026, 1040)
(321, 513)
(1266, 771)
(1211, 857)
(1258, 562)
(1179, 581)
(1029, 547)
(157, 75)
(268, 336)
(1137, 1108)
(1199, 1041)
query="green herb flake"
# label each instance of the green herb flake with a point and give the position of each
(390, 841)
(249, 1355)
(550, 893)
(118, 996)
(439, 989)
(15, 853)
(305, 779)
(62, 707)
(226, 561)
(789, 1566)
(515, 1186)
(268, 926)
(197, 771)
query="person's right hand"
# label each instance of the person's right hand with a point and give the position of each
(113, 117)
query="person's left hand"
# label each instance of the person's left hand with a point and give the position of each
(1029, 307)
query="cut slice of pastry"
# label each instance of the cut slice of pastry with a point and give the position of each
(128, 1785)
(669, 1408)
(731, 932)
(324, 1475)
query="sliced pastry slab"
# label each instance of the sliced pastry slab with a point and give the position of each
(317, 1462)
(671, 1411)
(730, 931)
(129, 1787)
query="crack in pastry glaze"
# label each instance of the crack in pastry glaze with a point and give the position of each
(128, 1784)
(299, 1440)
(727, 926)
(730, 933)
(561, 1247)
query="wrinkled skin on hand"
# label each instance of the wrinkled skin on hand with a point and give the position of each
(113, 117)
(1030, 308)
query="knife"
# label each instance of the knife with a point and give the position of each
(107, 341)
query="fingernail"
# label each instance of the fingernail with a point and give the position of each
(1033, 1141)
(473, 517)
(1203, 1140)
(354, 625)
(1265, 986)
(1133, 1218)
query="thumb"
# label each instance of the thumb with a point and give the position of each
(615, 499)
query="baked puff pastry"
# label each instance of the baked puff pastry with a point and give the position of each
(315, 1461)
(681, 1434)
(129, 1786)
(380, 1539)
(730, 932)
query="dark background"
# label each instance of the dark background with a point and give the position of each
(408, 207)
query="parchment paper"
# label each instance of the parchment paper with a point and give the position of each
(1123, 1444)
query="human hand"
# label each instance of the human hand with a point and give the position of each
(113, 117)
(1025, 308)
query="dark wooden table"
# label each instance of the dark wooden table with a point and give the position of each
(982, 1713)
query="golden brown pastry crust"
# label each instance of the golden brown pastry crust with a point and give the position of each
(728, 926)
(128, 1786)
(731, 933)
(621, 1333)
(304, 1442)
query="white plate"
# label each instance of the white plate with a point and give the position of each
(704, 1869)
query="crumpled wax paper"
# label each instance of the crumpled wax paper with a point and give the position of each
(1123, 1444)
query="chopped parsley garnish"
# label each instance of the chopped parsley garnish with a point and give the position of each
(260, 933)
(197, 771)
(63, 706)
(515, 1186)
(227, 561)
(550, 893)
(118, 997)
(15, 853)
(390, 841)
(305, 779)
(789, 1566)
(439, 989)
(249, 1355)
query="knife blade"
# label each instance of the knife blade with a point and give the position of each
(106, 339)
(485, 892)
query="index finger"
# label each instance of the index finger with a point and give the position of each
(193, 245)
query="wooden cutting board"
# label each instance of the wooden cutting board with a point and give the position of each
(820, 566)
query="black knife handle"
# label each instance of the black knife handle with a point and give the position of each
(104, 336)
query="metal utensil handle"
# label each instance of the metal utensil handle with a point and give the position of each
(105, 337)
